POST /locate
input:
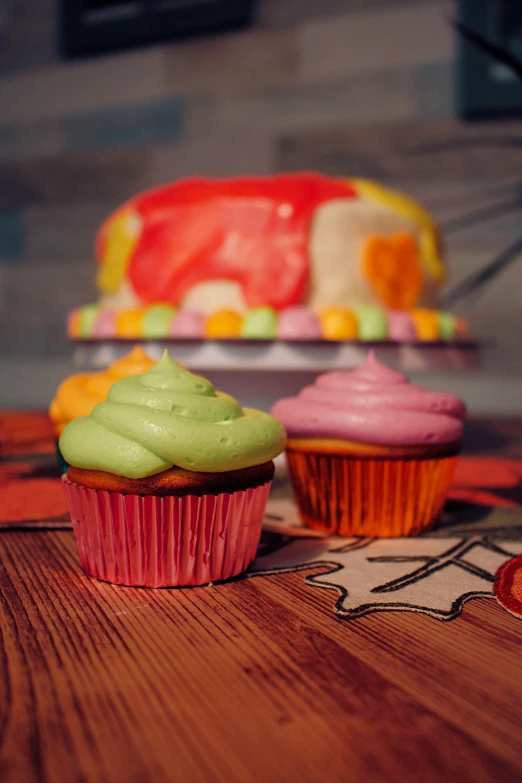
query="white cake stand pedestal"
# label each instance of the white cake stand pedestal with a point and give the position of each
(258, 372)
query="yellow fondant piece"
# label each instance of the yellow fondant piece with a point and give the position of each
(337, 323)
(407, 207)
(225, 324)
(120, 238)
(391, 264)
(426, 323)
(128, 323)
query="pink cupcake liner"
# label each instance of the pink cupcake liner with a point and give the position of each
(151, 541)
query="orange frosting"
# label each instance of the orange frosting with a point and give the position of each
(392, 265)
(77, 395)
(427, 324)
(223, 324)
(338, 324)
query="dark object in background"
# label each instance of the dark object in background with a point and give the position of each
(481, 95)
(487, 86)
(96, 26)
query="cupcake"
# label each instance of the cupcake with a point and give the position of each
(77, 395)
(169, 480)
(370, 454)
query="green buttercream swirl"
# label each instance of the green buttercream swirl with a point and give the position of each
(170, 417)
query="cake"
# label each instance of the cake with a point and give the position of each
(292, 257)
(168, 480)
(370, 454)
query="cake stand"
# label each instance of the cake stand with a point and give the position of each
(258, 372)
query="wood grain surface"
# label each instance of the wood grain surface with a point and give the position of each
(254, 680)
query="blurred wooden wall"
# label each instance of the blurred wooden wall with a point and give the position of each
(349, 87)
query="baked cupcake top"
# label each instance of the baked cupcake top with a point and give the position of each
(167, 418)
(372, 404)
(78, 394)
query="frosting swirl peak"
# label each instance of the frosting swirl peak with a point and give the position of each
(372, 404)
(170, 417)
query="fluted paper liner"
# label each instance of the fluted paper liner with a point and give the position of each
(381, 498)
(151, 541)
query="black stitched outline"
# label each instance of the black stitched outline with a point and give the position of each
(365, 609)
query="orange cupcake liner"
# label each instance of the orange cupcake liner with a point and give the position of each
(378, 498)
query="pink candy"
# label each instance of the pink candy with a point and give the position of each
(298, 323)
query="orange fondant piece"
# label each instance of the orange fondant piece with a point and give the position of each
(129, 323)
(426, 324)
(337, 323)
(392, 265)
(224, 324)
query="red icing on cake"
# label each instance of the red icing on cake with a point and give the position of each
(253, 231)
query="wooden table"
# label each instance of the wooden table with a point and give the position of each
(254, 680)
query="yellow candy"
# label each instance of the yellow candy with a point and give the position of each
(427, 324)
(338, 324)
(129, 323)
(223, 325)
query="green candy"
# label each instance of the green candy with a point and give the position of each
(447, 326)
(169, 417)
(156, 321)
(87, 316)
(372, 323)
(260, 324)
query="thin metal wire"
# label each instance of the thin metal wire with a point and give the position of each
(476, 280)
(480, 215)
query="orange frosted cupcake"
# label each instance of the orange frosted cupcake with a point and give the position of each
(370, 454)
(78, 394)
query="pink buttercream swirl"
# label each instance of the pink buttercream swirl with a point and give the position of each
(372, 404)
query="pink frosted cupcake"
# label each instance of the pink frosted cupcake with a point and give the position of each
(169, 480)
(370, 454)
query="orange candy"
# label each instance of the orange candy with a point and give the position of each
(223, 325)
(391, 264)
(73, 324)
(338, 324)
(129, 323)
(427, 324)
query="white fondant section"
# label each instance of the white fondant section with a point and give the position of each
(124, 298)
(215, 295)
(338, 231)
